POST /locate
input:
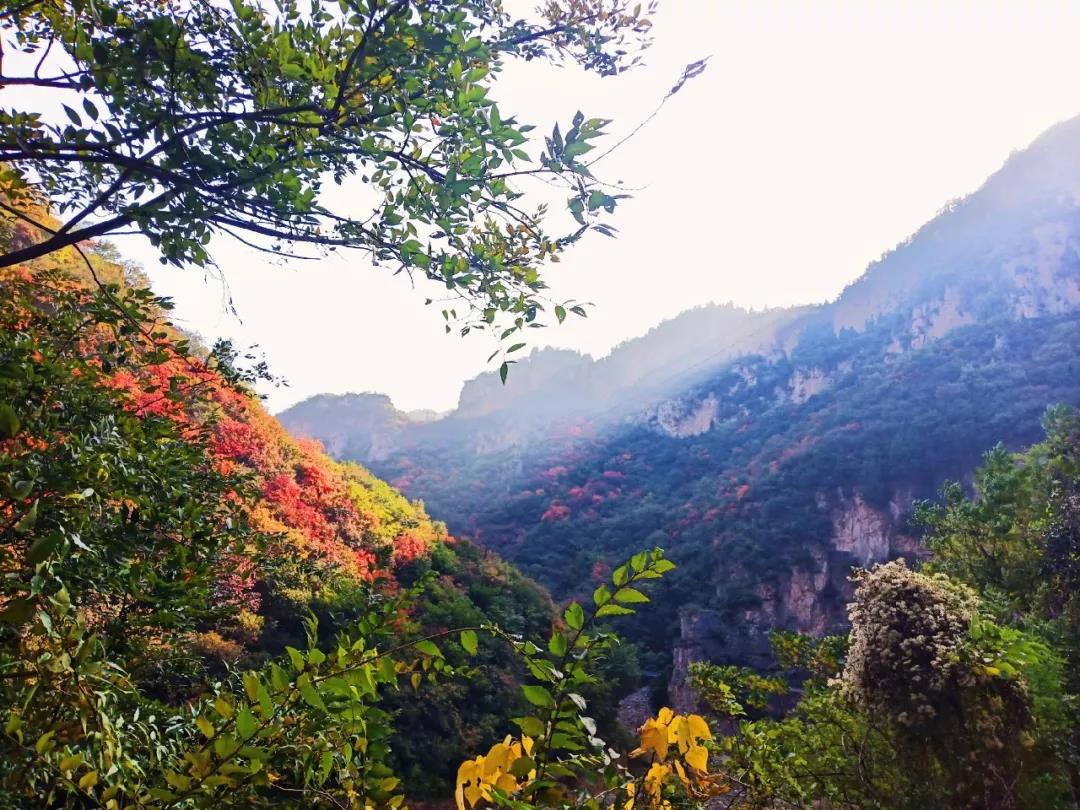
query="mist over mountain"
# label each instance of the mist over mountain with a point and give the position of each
(548, 388)
(769, 452)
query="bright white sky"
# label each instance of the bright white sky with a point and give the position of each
(821, 134)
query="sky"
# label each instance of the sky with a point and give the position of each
(821, 135)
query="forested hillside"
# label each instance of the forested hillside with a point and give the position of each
(769, 477)
(110, 422)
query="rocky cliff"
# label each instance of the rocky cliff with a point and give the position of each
(810, 599)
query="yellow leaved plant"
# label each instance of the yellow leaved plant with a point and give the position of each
(675, 744)
(507, 766)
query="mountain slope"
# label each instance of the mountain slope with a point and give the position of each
(769, 475)
(314, 538)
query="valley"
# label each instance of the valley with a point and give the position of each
(768, 452)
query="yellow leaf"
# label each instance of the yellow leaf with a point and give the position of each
(465, 775)
(88, 780)
(698, 758)
(654, 737)
(506, 782)
(224, 708)
(654, 780)
(205, 726)
(681, 771)
(251, 685)
(698, 727)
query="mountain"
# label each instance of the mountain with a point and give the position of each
(550, 387)
(770, 452)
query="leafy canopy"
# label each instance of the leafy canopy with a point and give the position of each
(186, 120)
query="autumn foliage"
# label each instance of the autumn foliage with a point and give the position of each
(313, 510)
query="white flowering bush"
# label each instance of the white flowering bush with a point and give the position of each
(907, 630)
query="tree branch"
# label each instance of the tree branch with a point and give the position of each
(63, 240)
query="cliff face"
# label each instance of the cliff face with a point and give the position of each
(1022, 221)
(810, 599)
(679, 419)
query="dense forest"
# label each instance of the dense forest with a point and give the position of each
(199, 609)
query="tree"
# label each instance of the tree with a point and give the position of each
(194, 119)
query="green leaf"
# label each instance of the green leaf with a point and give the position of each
(469, 641)
(367, 680)
(296, 658)
(278, 679)
(522, 767)
(504, 369)
(427, 647)
(325, 764)
(246, 723)
(620, 575)
(27, 521)
(538, 695)
(309, 693)
(530, 726)
(574, 616)
(614, 610)
(226, 745)
(630, 596)
(17, 611)
(41, 548)
(576, 149)
(557, 644)
(565, 742)
(663, 566)
(601, 596)
(638, 561)
(9, 421)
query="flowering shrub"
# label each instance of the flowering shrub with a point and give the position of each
(907, 629)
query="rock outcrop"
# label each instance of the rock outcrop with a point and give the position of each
(681, 419)
(861, 531)
(811, 600)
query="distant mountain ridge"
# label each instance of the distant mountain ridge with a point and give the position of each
(1030, 195)
(367, 426)
(770, 467)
